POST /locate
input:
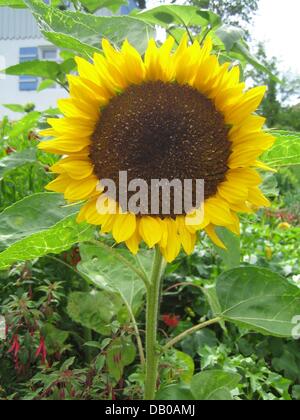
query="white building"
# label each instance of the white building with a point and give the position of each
(21, 40)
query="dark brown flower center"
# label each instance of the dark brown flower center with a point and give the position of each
(161, 130)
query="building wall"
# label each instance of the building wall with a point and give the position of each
(18, 29)
(9, 85)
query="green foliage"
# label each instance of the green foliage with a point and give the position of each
(214, 385)
(258, 299)
(94, 5)
(37, 226)
(94, 310)
(187, 16)
(115, 271)
(120, 353)
(85, 29)
(16, 160)
(231, 255)
(286, 150)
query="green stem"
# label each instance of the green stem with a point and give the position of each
(190, 331)
(152, 354)
(137, 333)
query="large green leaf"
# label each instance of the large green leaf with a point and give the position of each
(16, 160)
(174, 392)
(120, 353)
(89, 29)
(229, 35)
(31, 215)
(45, 69)
(286, 149)
(179, 15)
(259, 299)
(93, 5)
(214, 385)
(110, 269)
(39, 225)
(55, 240)
(70, 43)
(94, 310)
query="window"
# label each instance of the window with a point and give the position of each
(49, 54)
(27, 83)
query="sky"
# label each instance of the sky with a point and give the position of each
(278, 24)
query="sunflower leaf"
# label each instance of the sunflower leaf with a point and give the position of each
(110, 270)
(89, 29)
(44, 69)
(94, 310)
(39, 225)
(214, 385)
(179, 15)
(94, 5)
(258, 299)
(16, 160)
(286, 149)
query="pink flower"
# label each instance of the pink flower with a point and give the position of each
(15, 349)
(42, 350)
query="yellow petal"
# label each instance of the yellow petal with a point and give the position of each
(107, 223)
(87, 91)
(210, 230)
(217, 212)
(171, 251)
(257, 198)
(133, 243)
(111, 81)
(77, 108)
(87, 70)
(134, 69)
(60, 184)
(244, 176)
(63, 146)
(188, 239)
(79, 190)
(76, 169)
(233, 192)
(72, 126)
(150, 230)
(124, 227)
(250, 102)
(151, 58)
(243, 157)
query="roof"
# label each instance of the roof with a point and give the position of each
(20, 23)
(17, 24)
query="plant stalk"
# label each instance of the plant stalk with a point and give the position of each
(153, 297)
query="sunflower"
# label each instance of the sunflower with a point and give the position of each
(176, 113)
